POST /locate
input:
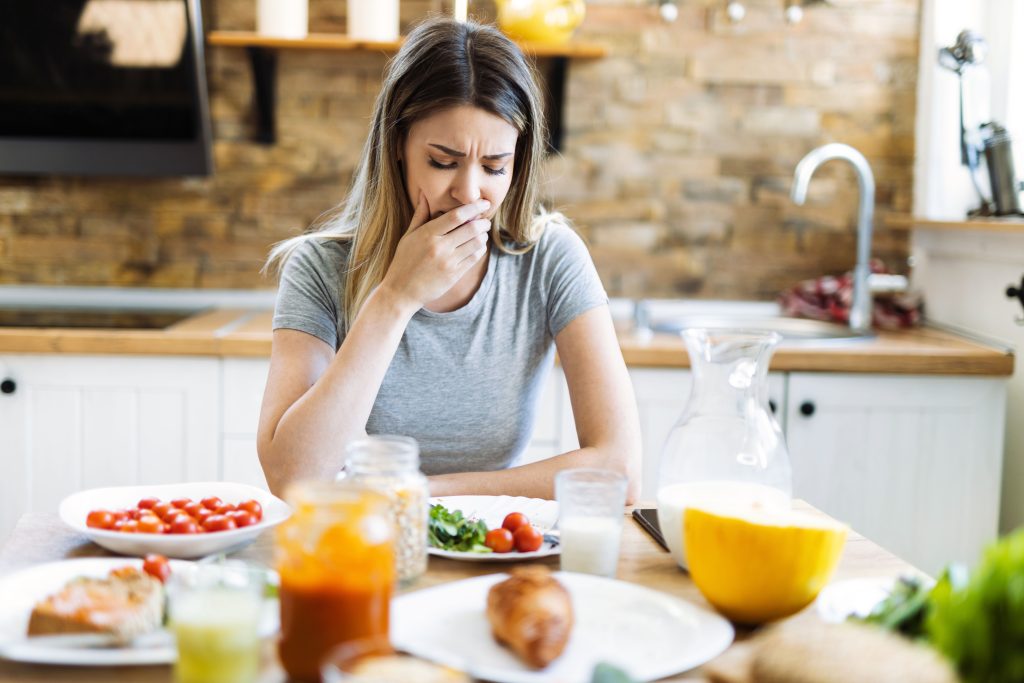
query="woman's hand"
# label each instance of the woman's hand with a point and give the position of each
(434, 254)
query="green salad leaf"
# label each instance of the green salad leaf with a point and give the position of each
(450, 530)
(980, 626)
(903, 610)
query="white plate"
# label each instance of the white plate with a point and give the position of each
(76, 507)
(543, 514)
(23, 589)
(646, 633)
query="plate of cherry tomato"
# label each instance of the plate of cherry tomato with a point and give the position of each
(518, 528)
(176, 520)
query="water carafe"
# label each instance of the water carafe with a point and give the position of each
(727, 445)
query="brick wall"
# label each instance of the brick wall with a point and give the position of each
(678, 155)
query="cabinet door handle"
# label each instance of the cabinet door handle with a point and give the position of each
(807, 408)
(773, 406)
(8, 386)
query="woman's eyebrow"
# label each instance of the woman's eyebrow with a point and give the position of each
(455, 153)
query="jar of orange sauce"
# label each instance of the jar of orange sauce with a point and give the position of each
(336, 558)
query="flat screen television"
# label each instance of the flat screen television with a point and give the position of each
(103, 87)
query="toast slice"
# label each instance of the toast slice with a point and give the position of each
(125, 604)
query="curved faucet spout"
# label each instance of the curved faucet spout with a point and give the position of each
(860, 312)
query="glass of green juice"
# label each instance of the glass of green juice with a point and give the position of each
(214, 612)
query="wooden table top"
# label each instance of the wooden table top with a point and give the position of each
(41, 537)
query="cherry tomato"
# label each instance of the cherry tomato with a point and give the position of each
(514, 520)
(242, 518)
(120, 515)
(212, 503)
(203, 515)
(224, 508)
(131, 526)
(157, 566)
(151, 524)
(100, 519)
(161, 509)
(527, 539)
(180, 502)
(219, 523)
(183, 524)
(134, 513)
(147, 503)
(192, 509)
(252, 506)
(172, 514)
(499, 540)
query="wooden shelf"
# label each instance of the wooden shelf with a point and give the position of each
(263, 57)
(341, 42)
(993, 224)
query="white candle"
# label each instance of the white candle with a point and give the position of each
(283, 18)
(373, 20)
(461, 9)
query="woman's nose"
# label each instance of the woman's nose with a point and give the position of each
(466, 187)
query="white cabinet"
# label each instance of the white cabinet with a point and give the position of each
(76, 422)
(913, 463)
(244, 381)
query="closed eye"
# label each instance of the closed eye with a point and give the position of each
(452, 166)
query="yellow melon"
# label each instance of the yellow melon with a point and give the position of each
(756, 565)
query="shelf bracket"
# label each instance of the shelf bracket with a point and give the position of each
(264, 83)
(555, 70)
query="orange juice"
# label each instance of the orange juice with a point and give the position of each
(336, 559)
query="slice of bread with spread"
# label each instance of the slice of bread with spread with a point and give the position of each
(125, 604)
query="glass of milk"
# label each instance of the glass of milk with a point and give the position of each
(591, 507)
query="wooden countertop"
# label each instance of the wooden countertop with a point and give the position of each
(237, 332)
(41, 537)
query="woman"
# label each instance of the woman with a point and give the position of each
(431, 305)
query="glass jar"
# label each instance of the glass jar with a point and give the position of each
(391, 466)
(727, 445)
(336, 558)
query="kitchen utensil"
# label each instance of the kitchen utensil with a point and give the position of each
(727, 444)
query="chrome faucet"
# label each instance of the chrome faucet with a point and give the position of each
(860, 312)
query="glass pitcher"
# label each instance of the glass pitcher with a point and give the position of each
(727, 445)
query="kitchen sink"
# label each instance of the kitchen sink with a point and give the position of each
(792, 330)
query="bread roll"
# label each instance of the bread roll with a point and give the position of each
(531, 613)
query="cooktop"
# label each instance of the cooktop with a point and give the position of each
(86, 318)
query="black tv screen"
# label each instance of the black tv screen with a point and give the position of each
(105, 87)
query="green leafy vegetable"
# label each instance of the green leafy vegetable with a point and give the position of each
(608, 673)
(980, 626)
(903, 610)
(451, 531)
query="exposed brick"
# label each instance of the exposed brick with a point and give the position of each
(677, 164)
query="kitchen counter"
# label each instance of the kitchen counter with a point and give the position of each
(247, 333)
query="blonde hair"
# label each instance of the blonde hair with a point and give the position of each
(442, 64)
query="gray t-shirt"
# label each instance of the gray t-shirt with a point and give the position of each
(464, 384)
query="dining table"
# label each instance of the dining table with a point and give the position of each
(41, 537)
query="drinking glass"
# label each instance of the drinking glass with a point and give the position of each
(591, 505)
(214, 613)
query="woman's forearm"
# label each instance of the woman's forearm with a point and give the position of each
(311, 435)
(537, 480)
